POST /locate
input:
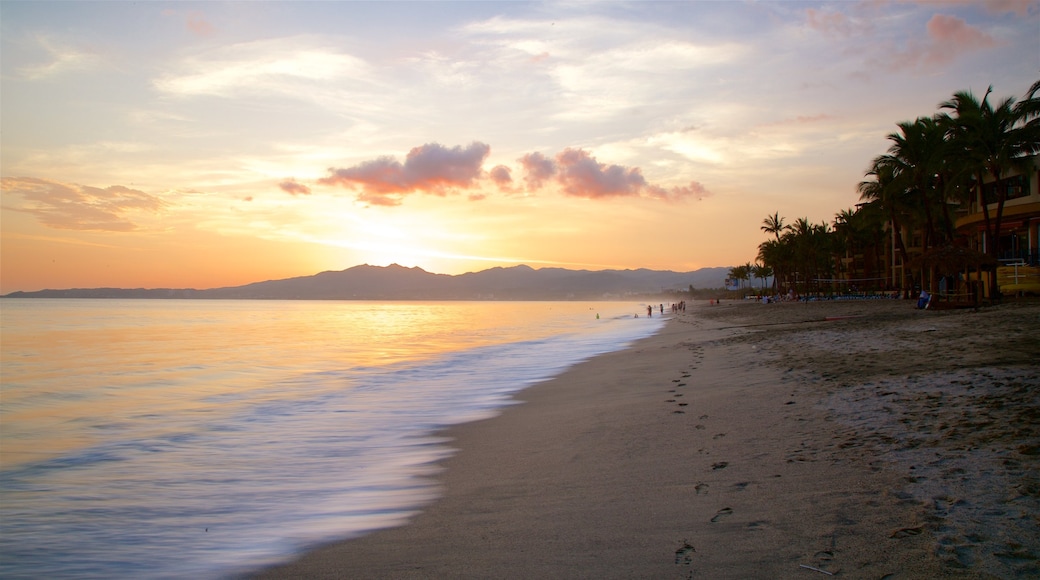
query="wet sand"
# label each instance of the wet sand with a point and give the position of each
(857, 439)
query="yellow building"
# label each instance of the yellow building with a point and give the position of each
(1019, 228)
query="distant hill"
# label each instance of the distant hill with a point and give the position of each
(399, 283)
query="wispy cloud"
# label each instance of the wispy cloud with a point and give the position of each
(1017, 7)
(291, 187)
(271, 66)
(946, 38)
(60, 58)
(198, 25)
(79, 207)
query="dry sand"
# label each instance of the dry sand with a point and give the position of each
(749, 441)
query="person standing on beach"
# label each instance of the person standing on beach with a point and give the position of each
(649, 311)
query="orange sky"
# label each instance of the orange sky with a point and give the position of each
(207, 145)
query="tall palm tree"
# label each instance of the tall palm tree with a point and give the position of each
(886, 191)
(1028, 109)
(776, 255)
(846, 240)
(991, 138)
(869, 225)
(762, 272)
(773, 224)
(916, 157)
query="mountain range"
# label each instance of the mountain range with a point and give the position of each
(396, 282)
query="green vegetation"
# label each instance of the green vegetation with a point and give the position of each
(933, 166)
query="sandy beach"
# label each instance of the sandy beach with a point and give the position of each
(859, 439)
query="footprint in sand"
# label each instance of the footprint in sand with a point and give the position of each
(684, 555)
(906, 532)
(722, 513)
(701, 488)
(669, 400)
(719, 465)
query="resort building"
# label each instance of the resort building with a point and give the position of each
(1019, 233)
(1018, 259)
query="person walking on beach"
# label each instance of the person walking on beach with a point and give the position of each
(649, 311)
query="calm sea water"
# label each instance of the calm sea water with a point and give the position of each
(162, 439)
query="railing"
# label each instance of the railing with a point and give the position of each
(1018, 278)
(1030, 257)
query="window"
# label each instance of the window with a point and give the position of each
(1014, 187)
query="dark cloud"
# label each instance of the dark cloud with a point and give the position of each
(292, 188)
(431, 168)
(79, 207)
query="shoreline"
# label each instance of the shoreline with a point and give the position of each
(728, 450)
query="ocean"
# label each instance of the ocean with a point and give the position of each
(174, 438)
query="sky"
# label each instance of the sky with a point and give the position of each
(202, 145)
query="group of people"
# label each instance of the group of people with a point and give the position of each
(676, 308)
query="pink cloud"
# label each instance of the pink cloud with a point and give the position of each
(430, 168)
(537, 169)
(579, 174)
(829, 22)
(292, 188)
(1017, 7)
(582, 176)
(198, 25)
(695, 190)
(947, 37)
(501, 176)
(950, 30)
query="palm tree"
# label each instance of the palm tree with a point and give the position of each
(1028, 110)
(773, 224)
(761, 271)
(991, 139)
(885, 191)
(776, 256)
(916, 156)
